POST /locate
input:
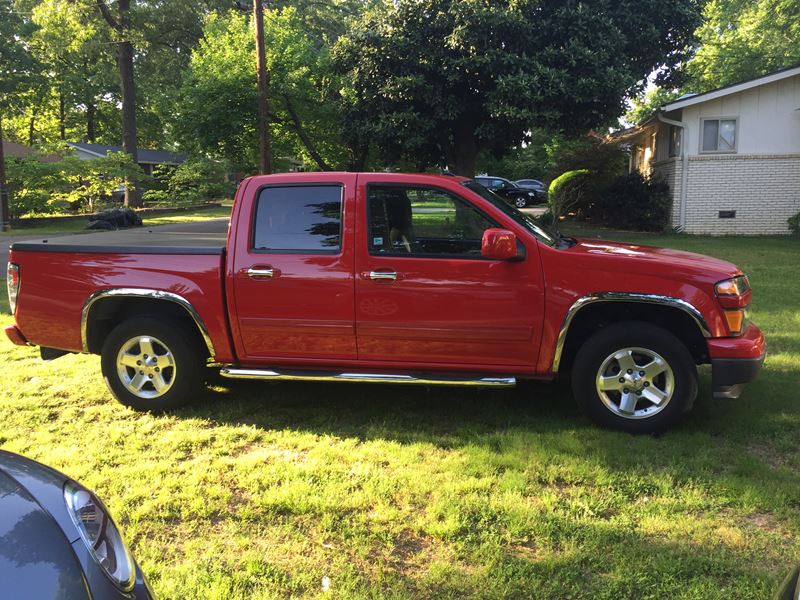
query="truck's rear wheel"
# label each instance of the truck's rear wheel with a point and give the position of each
(634, 376)
(152, 364)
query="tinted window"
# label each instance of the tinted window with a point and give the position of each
(299, 218)
(423, 222)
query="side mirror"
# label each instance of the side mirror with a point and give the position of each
(499, 244)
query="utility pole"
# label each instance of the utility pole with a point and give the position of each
(3, 190)
(263, 113)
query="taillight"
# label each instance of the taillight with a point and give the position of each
(12, 280)
(734, 296)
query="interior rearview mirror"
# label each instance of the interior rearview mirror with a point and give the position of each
(499, 244)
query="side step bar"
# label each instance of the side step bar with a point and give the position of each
(266, 374)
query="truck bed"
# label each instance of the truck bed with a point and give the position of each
(135, 241)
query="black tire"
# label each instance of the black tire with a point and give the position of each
(520, 202)
(185, 377)
(629, 338)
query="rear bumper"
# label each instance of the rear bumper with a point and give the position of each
(15, 335)
(736, 361)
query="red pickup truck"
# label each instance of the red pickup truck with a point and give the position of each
(395, 278)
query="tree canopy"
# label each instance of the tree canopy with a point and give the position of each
(441, 80)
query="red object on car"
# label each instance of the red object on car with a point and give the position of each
(396, 278)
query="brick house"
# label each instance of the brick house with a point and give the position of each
(731, 156)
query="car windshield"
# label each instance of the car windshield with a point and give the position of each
(518, 216)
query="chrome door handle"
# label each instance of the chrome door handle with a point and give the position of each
(256, 272)
(383, 275)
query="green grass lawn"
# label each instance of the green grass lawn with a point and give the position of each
(261, 490)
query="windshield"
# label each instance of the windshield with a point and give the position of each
(519, 217)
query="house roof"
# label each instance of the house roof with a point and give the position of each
(155, 157)
(689, 100)
(15, 150)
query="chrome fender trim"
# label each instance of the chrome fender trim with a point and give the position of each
(580, 303)
(142, 293)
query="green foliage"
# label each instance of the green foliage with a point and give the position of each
(741, 39)
(794, 224)
(634, 201)
(68, 184)
(644, 107)
(442, 80)
(219, 107)
(195, 181)
(566, 193)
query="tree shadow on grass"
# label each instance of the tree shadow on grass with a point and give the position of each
(713, 445)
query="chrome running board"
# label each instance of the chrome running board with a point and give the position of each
(267, 374)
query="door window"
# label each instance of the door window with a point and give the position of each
(299, 219)
(421, 221)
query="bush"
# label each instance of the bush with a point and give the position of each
(634, 201)
(566, 192)
(69, 183)
(195, 181)
(794, 224)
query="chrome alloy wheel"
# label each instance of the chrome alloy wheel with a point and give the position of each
(146, 367)
(635, 383)
(520, 203)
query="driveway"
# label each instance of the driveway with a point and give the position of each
(210, 226)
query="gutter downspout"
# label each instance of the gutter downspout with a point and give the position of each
(684, 169)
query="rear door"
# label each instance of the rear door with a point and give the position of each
(293, 270)
(424, 293)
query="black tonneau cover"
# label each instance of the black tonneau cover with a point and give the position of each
(137, 241)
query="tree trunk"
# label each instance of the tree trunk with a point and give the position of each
(4, 212)
(31, 130)
(303, 135)
(62, 127)
(464, 151)
(91, 111)
(263, 84)
(133, 197)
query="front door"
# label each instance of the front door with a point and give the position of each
(293, 275)
(424, 293)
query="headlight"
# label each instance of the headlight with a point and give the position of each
(531, 194)
(100, 535)
(734, 296)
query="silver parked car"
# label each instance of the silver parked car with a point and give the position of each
(58, 541)
(534, 185)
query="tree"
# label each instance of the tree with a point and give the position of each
(443, 80)
(219, 101)
(741, 39)
(18, 69)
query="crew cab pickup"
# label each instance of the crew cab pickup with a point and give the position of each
(395, 278)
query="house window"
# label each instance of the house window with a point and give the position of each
(675, 134)
(719, 135)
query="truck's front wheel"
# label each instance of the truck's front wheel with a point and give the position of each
(152, 364)
(634, 376)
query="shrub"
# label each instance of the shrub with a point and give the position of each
(634, 201)
(70, 183)
(794, 224)
(196, 180)
(565, 194)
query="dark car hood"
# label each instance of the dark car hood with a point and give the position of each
(638, 257)
(36, 560)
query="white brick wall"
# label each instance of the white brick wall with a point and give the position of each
(764, 190)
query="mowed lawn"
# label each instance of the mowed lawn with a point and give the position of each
(262, 490)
